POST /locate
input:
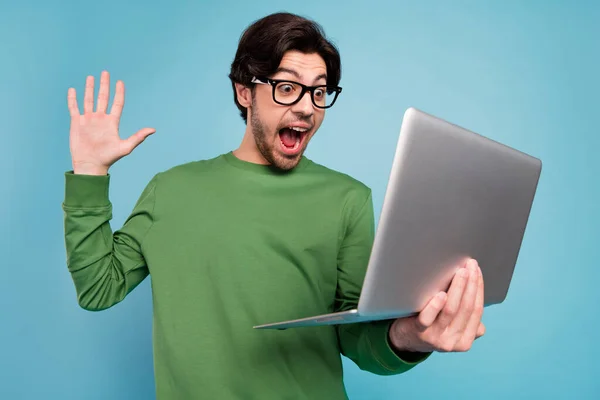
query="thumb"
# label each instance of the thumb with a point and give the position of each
(134, 140)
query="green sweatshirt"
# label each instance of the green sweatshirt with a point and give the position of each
(228, 245)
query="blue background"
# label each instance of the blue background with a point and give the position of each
(523, 73)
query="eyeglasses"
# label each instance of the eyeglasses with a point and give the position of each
(288, 93)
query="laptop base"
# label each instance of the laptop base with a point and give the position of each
(344, 317)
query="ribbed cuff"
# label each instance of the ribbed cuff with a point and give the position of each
(86, 190)
(385, 353)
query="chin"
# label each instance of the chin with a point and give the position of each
(286, 162)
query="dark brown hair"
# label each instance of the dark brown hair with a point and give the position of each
(263, 44)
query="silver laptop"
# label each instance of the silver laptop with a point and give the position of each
(452, 194)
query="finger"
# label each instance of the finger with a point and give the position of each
(474, 324)
(480, 331)
(455, 292)
(134, 140)
(465, 312)
(428, 315)
(119, 100)
(481, 290)
(103, 92)
(88, 97)
(72, 103)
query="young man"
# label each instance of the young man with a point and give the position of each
(255, 235)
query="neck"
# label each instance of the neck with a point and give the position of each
(247, 151)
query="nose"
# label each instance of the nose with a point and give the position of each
(304, 106)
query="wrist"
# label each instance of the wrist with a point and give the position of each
(400, 344)
(398, 337)
(89, 169)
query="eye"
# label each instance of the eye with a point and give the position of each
(286, 88)
(319, 93)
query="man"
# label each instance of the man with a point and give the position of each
(255, 235)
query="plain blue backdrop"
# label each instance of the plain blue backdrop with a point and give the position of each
(525, 73)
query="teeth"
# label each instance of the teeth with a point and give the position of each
(298, 129)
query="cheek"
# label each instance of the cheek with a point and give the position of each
(319, 119)
(271, 128)
(270, 120)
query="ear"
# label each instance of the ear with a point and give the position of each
(244, 96)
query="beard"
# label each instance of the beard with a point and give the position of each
(267, 148)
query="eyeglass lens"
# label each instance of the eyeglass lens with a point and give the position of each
(288, 92)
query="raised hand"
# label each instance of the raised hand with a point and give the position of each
(450, 322)
(94, 135)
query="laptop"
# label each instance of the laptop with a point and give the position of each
(452, 194)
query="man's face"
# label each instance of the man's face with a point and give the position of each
(282, 132)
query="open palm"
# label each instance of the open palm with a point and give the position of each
(94, 135)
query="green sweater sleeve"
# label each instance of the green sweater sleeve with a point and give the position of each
(104, 266)
(366, 344)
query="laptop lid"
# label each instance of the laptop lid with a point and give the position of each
(452, 194)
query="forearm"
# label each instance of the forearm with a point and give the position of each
(98, 276)
(367, 344)
(104, 266)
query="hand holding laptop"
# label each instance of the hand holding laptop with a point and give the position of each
(450, 321)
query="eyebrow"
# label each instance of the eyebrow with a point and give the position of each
(297, 75)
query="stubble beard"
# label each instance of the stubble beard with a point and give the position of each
(266, 147)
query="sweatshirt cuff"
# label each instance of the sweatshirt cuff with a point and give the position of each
(86, 190)
(383, 350)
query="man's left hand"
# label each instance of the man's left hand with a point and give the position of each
(449, 322)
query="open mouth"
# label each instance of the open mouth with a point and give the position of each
(291, 139)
